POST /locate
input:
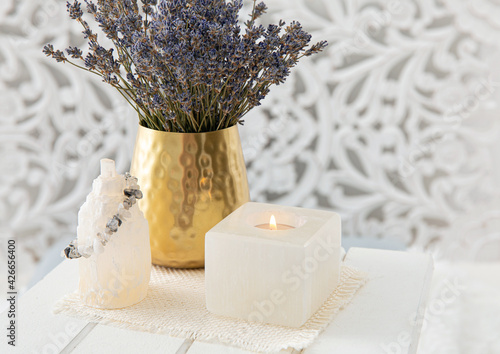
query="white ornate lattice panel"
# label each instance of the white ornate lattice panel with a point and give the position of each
(395, 126)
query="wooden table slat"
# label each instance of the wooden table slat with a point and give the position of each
(381, 317)
(377, 320)
(38, 329)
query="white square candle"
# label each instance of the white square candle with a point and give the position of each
(283, 276)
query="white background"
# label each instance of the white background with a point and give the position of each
(396, 126)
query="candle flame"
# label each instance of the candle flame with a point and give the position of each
(272, 223)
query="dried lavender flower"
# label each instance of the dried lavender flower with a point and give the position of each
(186, 65)
(75, 10)
(48, 50)
(74, 52)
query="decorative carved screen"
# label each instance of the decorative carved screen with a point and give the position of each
(396, 126)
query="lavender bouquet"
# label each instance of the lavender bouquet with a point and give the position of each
(186, 65)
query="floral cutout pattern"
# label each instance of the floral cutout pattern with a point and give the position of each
(395, 126)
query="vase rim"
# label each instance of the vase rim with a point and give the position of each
(213, 131)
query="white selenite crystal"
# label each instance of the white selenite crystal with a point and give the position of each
(274, 276)
(115, 275)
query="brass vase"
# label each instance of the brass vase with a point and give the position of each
(190, 181)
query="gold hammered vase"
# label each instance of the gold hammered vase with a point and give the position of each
(190, 182)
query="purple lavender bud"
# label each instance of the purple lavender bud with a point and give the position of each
(75, 11)
(48, 50)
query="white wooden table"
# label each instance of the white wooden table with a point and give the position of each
(382, 318)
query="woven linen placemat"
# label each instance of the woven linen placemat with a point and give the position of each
(175, 305)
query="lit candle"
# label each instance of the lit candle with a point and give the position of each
(273, 264)
(274, 226)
